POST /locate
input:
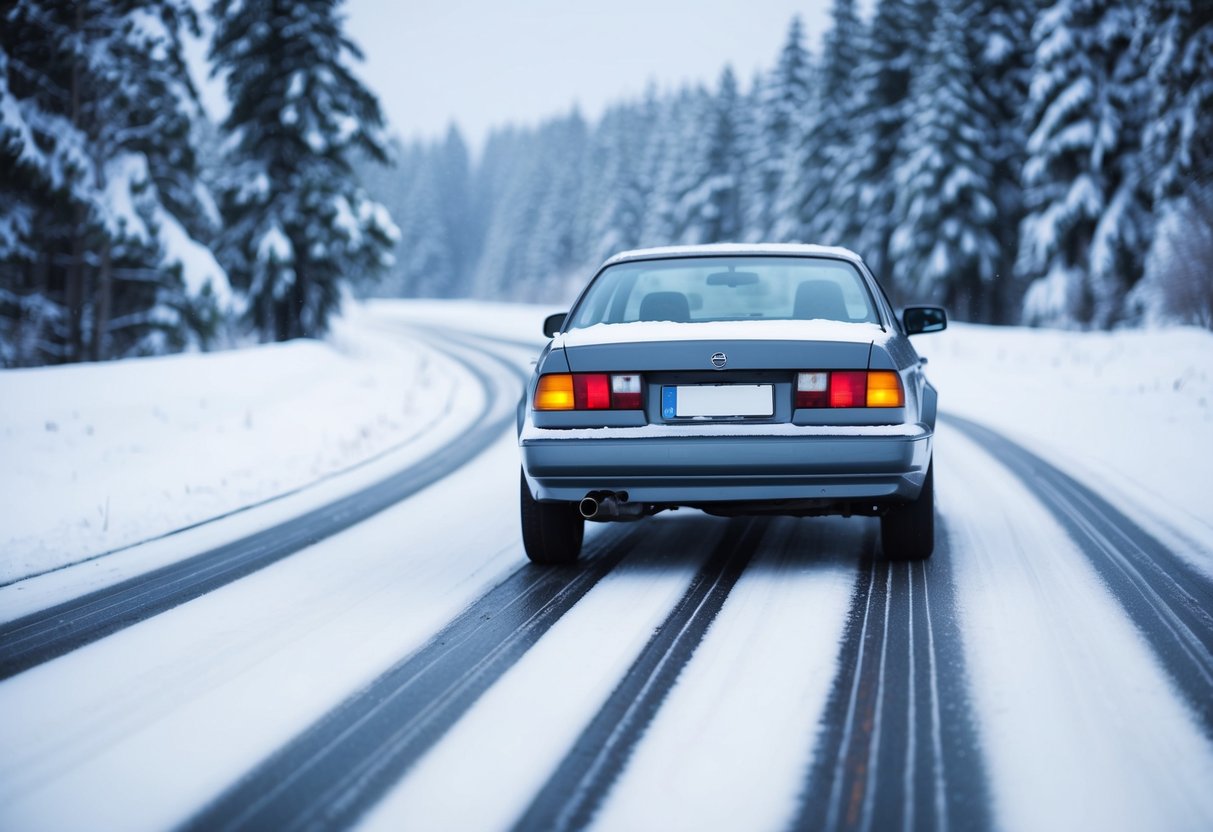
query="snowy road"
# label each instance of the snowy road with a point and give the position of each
(388, 660)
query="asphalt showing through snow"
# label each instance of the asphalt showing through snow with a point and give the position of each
(1169, 601)
(331, 774)
(899, 747)
(584, 777)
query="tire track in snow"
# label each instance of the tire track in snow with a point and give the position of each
(334, 771)
(1169, 601)
(570, 797)
(898, 748)
(47, 634)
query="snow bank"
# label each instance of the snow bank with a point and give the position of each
(1129, 412)
(100, 456)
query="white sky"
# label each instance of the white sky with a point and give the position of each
(483, 63)
(486, 63)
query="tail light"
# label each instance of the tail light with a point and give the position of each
(849, 388)
(588, 391)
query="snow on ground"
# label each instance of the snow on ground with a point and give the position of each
(511, 321)
(1129, 412)
(1080, 723)
(100, 456)
(176, 707)
(729, 749)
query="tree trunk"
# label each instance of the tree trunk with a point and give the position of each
(74, 289)
(102, 302)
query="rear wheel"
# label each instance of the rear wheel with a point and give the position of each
(907, 532)
(551, 532)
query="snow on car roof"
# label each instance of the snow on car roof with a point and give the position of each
(749, 330)
(736, 250)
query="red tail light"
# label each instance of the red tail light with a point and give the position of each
(589, 391)
(592, 391)
(849, 388)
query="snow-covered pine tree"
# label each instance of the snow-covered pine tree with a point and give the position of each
(553, 244)
(617, 205)
(427, 260)
(999, 33)
(99, 168)
(677, 167)
(299, 225)
(810, 198)
(783, 108)
(894, 48)
(1086, 229)
(458, 216)
(1175, 40)
(535, 235)
(944, 248)
(710, 201)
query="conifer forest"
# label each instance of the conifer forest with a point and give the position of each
(1039, 162)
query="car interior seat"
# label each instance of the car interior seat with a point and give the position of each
(666, 306)
(820, 299)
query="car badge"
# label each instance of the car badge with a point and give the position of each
(719, 359)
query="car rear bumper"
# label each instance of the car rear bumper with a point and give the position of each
(781, 463)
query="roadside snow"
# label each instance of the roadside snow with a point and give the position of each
(1130, 413)
(512, 321)
(101, 456)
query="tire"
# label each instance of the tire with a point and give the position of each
(551, 532)
(907, 532)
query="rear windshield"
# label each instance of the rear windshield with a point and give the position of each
(726, 289)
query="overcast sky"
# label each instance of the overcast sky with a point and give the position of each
(486, 63)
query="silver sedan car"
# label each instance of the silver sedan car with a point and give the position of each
(733, 379)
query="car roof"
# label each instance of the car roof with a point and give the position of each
(735, 250)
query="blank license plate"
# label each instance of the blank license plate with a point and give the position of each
(717, 400)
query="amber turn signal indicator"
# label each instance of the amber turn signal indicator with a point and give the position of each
(884, 389)
(555, 392)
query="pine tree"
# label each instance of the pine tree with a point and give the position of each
(711, 206)
(298, 222)
(812, 194)
(1086, 229)
(679, 149)
(783, 108)
(1175, 40)
(97, 115)
(945, 245)
(999, 33)
(863, 201)
(618, 205)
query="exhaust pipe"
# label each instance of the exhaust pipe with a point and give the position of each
(605, 505)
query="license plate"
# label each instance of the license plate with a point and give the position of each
(717, 401)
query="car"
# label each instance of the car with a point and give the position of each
(732, 379)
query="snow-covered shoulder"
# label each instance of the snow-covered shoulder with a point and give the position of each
(646, 331)
(101, 456)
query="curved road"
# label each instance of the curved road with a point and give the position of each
(702, 672)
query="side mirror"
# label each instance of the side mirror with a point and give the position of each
(553, 323)
(918, 319)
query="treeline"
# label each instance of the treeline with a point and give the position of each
(129, 225)
(1016, 160)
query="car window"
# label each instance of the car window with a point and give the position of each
(727, 289)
